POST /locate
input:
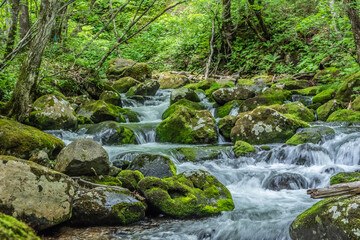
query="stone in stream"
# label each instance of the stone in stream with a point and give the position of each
(289, 181)
(183, 93)
(119, 68)
(324, 96)
(265, 125)
(290, 84)
(101, 206)
(223, 111)
(297, 110)
(204, 153)
(172, 81)
(148, 88)
(344, 115)
(22, 141)
(324, 111)
(332, 219)
(187, 195)
(130, 179)
(51, 112)
(184, 102)
(111, 97)
(242, 148)
(224, 95)
(83, 157)
(35, 194)
(188, 126)
(312, 135)
(124, 84)
(153, 165)
(11, 228)
(226, 124)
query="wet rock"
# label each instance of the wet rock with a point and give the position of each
(289, 181)
(22, 141)
(111, 97)
(148, 88)
(101, 206)
(324, 111)
(11, 228)
(172, 81)
(225, 95)
(153, 165)
(183, 102)
(331, 170)
(189, 194)
(183, 93)
(51, 112)
(242, 148)
(196, 154)
(35, 194)
(226, 124)
(124, 84)
(228, 107)
(83, 157)
(119, 68)
(187, 126)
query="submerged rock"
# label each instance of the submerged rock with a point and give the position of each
(119, 68)
(183, 93)
(35, 194)
(225, 95)
(22, 141)
(83, 157)
(153, 165)
(11, 228)
(289, 181)
(189, 194)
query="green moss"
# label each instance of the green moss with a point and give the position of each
(124, 84)
(129, 212)
(226, 124)
(138, 71)
(296, 109)
(183, 102)
(111, 97)
(327, 75)
(242, 148)
(225, 110)
(324, 96)
(246, 82)
(324, 111)
(11, 228)
(346, 89)
(304, 137)
(355, 104)
(290, 84)
(344, 115)
(345, 177)
(84, 120)
(265, 148)
(130, 178)
(310, 91)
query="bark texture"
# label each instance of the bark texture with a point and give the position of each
(353, 14)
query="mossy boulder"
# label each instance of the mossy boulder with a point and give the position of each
(51, 112)
(187, 195)
(183, 93)
(346, 89)
(22, 141)
(34, 194)
(183, 102)
(172, 81)
(111, 133)
(124, 84)
(153, 165)
(11, 228)
(265, 125)
(310, 91)
(226, 124)
(119, 68)
(111, 97)
(344, 115)
(224, 95)
(101, 206)
(312, 135)
(356, 104)
(345, 177)
(130, 179)
(242, 148)
(324, 111)
(83, 157)
(225, 110)
(99, 111)
(324, 96)
(148, 88)
(188, 126)
(333, 219)
(197, 154)
(296, 109)
(291, 84)
(203, 85)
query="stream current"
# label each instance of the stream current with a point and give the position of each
(260, 211)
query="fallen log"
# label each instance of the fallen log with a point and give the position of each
(335, 190)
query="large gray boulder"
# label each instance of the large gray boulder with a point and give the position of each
(83, 157)
(224, 95)
(153, 165)
(34, 194)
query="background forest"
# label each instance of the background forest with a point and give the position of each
(244, 36)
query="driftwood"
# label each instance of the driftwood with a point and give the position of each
(335, 190)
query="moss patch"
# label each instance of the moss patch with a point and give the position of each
(242, 148)
(324, 96)
(344, 116)
(183, 102)
(11, 228)
(345, 177)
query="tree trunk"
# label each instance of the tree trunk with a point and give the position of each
(24, 20)
(211, 50)
(228, 26)
(261, 20)
(15, 9)
(20, 99)
(353, 14)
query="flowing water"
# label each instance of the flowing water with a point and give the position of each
(260, 213)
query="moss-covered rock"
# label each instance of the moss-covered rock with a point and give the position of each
(333, 219)
(344, 115)
(51, 112)
(172, 81)
(153, 165)
(83, 157)
(35, 194)
(99, 111)
(345, 177)
(183, 93)
(183, 102)
(289, 84)
(226, 124)
(204, 153)
(111, 133)
(130, 179)
(22, 141)
(203, 85)
(346, 89)
(124, 84)
(188, 126)
(224, 95)
(148, 88)
(324, 111)
(189, 194)
(242, 148)
(11, 228)
(265, 125)
(119, 68)
(225, 110)
(111, 97)
(296, 109)
(324, 96)
(312, 135)
(100, 206)
(356, 104)
(310, 91)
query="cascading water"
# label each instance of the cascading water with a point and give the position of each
(262, 212)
